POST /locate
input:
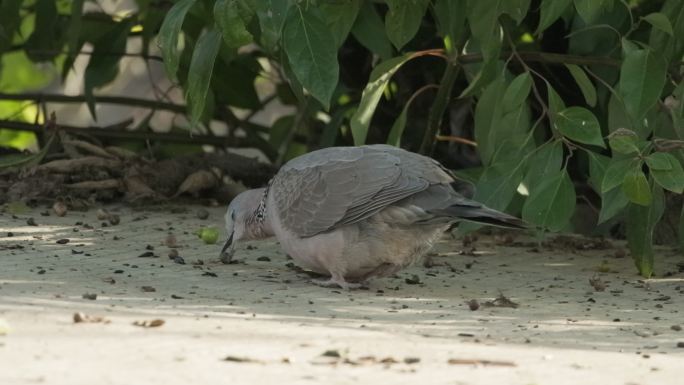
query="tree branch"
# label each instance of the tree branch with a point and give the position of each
(113, 133)
(545, 57)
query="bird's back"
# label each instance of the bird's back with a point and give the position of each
(337, 186)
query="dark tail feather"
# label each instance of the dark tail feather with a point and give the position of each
(483, 215)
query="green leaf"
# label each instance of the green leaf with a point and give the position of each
(199, 74)
(642, 77)
(640, 223)
(369, 30)
(489, 70)
(666, 171)
(169, 36)
(623, 141)
(312, 58)
(612, 203)
(589, 10)
(616, 172)
(340, 17)
(10, 20)
(660, 21)
(597, 169)
(487, 118)
(403, 20)
(272, 15)
(585, 85)
(483, 17)
(45, 43)
(636, 187)
(552, 203)
(379, 78)
(496, 188)
(103, 66)
(579, 124)
(228, 20)
(517, 92)
(451, 19)
(556, 103)
(550, 11)
(516, 9)
(73, 36)
(394, 137)
(661, 161)
(544, 164)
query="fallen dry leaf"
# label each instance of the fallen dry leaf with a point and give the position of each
(501, 301)
(467, 361)
(597, 283)
(242, 360)
(85, 318)
(150, 324)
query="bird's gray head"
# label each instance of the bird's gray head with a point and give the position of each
(245, 220)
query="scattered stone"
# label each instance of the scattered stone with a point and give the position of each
(62, 241)
(676, 328)
(148, 289)
(170, 241)
(331, 353)
(411, 360)
(202, 214)
(173, 254)
(59, 208)
(90, 296)
(264, 259)
(473, 304)
(209, 274)
(179, 260)
(597, 283)
(414, 280)
(147, 254)
(114, 219)
(31, 222)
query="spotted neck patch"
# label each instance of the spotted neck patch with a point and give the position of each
(260, 214)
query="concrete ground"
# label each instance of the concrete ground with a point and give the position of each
(259, 321)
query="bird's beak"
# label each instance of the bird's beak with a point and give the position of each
(227, 250)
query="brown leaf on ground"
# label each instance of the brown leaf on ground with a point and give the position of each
(85, 318)
(150, 324)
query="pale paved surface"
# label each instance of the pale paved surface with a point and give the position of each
(562, 333)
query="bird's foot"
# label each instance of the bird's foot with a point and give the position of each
(339, 282)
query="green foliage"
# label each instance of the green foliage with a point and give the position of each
(557, 94)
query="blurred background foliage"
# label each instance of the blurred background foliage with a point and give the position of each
(566, 112)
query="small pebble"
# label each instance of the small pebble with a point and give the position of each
(90, 296)
(31, 222)
(59, 208)
(676, 328)
(202, 214)
(63, 241)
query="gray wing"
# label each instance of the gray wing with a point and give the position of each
(337, 186)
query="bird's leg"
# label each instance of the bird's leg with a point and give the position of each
(337, 280)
